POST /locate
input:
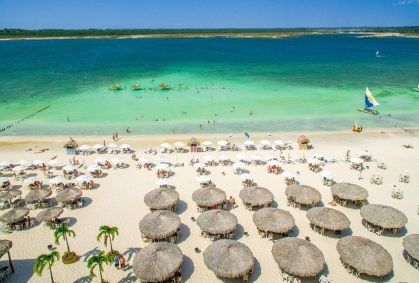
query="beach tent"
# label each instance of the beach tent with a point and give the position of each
(193, 143)
(71, 146)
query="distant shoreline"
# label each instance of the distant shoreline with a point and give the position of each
(14, 34)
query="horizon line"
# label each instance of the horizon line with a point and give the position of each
(223, 28)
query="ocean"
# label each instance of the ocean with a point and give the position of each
(306, 83)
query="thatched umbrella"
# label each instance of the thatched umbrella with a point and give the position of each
(193, 142)
(162, 198)
(159, 224)
(411, 245)
(71, 144)
(256, 196)
(298, 257)
(5, 246)
(37, 195)
(328, 218)
(157, 262)
(69, 195)
(383, 216)
(365, 256)
(14, 215)
(304, 195)
(217, 221)
(348, 191)
(9, 194)
(49, 214)
(206, 197)
(274, 220)
(303, 140)
(229, 258)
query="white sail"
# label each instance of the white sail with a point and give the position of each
(370, 98)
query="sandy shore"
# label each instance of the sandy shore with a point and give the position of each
(119, 201)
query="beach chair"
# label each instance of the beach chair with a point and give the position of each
(4, 273)
(5, 229)
(4, 205)
(324, 279)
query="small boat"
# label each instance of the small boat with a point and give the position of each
(370, 102)
(117, 86)
(378, 55)
(164, 86)
(136, 87)
(415, 88)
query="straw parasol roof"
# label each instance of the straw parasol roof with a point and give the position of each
(348, 191)
(49, 214)
(304, 195)
(71, 144)
(256, 196)
(9, 194)
(193, 141)
(14, 215)
(37, 195)
(328, 218)
(303, 140)
(161, 198)
(365, 256)
(157, 262)
(5, 246)
(384, 216)
(208, 196)
(298, 257)
(229, 258)
(69, 195)
(273, 220)
(411, 245)
(159, 224)
(217, 221)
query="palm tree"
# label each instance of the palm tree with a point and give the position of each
(107, 233)
(62, 231)
(45, 260)
(98, 260)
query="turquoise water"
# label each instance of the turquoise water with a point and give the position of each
(301, 83)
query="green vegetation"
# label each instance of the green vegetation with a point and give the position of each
(108, 233)
(62, 231)
(45, 260)
(274, 32)
(98, 260)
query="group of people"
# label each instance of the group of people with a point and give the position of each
(115, 137)
(119, 262)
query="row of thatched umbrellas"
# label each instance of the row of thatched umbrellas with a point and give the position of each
(17, 214)
(231, 259)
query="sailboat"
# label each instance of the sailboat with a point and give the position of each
(378, 55)
(370, 102)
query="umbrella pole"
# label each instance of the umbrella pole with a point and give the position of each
(10, 262)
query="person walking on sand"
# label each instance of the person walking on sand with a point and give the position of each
(116, 261)
(122, 261)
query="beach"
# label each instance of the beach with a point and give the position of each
(118, 200)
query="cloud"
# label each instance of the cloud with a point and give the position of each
(407, 2)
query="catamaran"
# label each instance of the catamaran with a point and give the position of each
(370, 102)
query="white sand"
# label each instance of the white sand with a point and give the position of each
(119, 201)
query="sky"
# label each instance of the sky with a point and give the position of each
(118, 14)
